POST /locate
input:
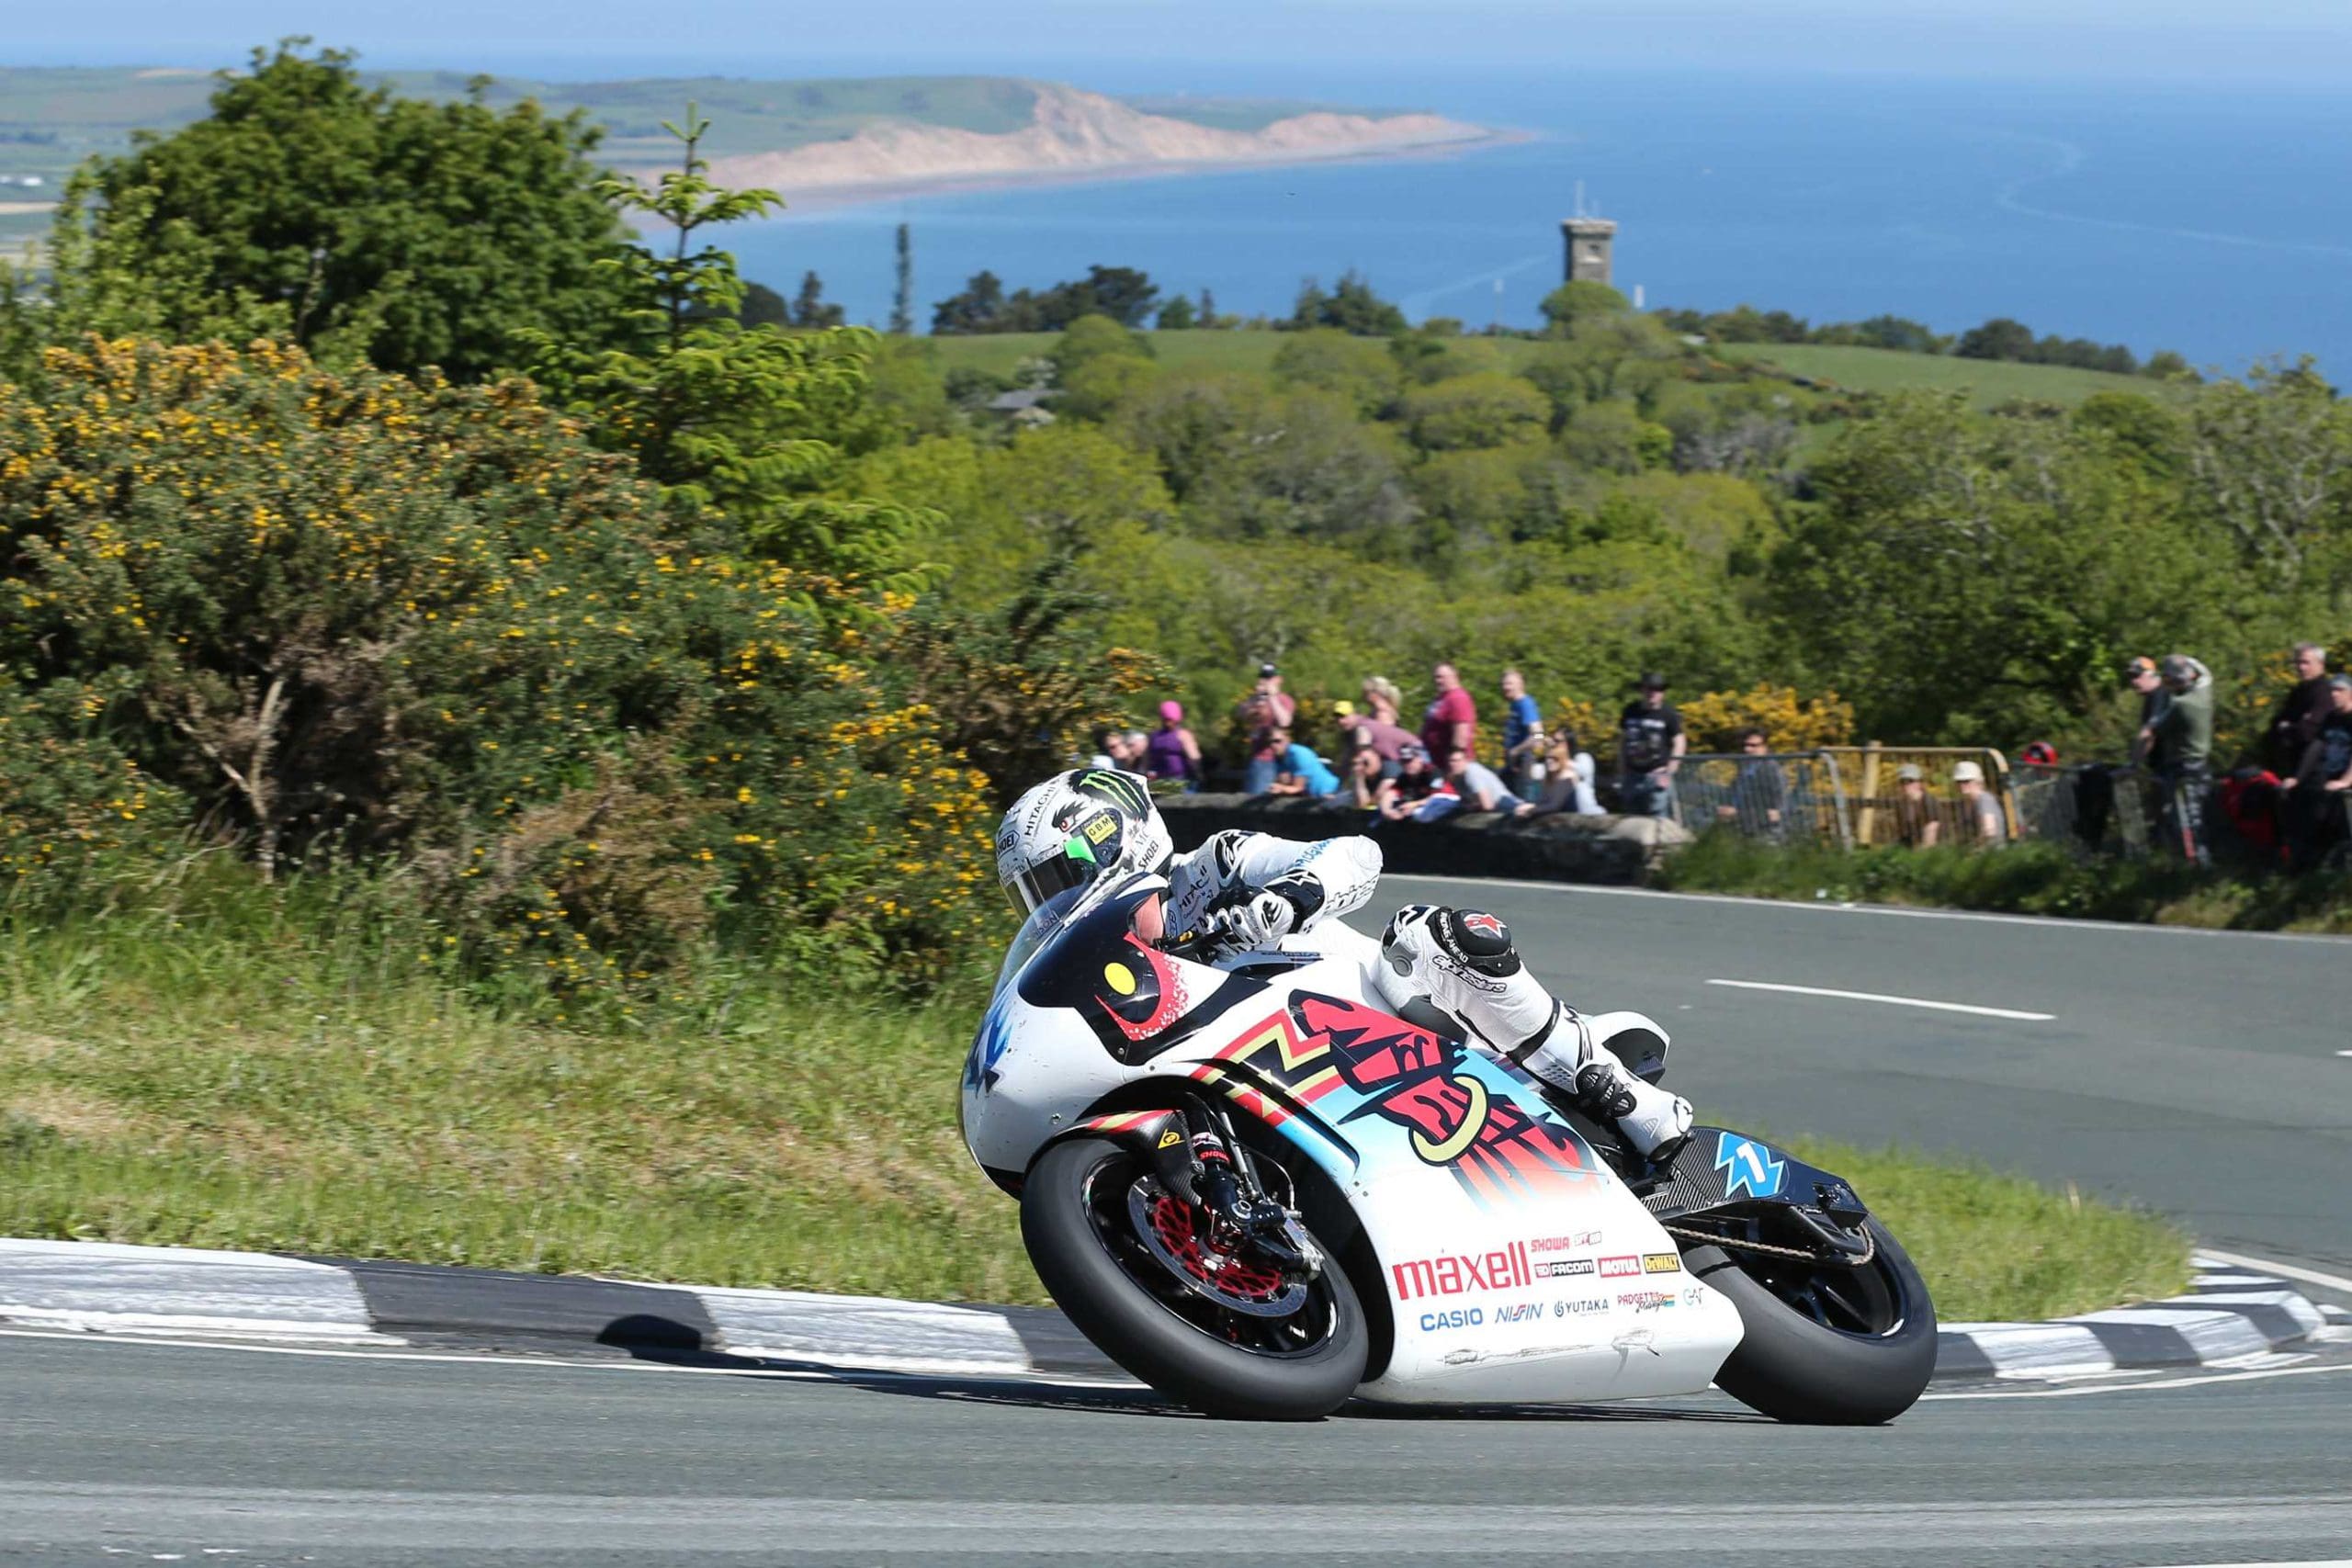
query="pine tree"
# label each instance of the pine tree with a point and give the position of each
(902, 303)
(810, 307)
(1208, 308)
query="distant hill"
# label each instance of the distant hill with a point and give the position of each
(828, 135)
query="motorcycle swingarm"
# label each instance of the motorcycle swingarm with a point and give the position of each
(1720, 1173)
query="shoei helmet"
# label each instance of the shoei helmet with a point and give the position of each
(1077, 829)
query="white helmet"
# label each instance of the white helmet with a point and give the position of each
(1079, 828)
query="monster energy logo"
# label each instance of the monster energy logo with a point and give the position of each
(1123, 790)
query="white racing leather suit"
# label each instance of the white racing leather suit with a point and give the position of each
(1462, 962)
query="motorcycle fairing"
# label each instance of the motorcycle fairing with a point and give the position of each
(1491, 1220)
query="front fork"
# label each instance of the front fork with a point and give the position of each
(1192, 1151)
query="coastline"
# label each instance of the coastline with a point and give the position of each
(824, 198)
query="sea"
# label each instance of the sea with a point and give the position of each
(2214, 221)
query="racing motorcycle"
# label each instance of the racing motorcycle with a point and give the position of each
(1262, 1193)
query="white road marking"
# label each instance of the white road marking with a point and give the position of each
(2270, 1266)
(2344, 1053)
(1778, 904)
(1891, 1001)
(2143, 1387)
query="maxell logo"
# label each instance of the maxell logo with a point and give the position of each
(1616, 1268)
(1561, 1268)
(1497, 1270)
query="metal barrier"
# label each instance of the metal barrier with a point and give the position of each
(2112, 807)
(1782, 797)
(1883, 813)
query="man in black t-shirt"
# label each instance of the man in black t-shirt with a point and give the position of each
(2322, 787)
(1650, 746)
(2299, 714)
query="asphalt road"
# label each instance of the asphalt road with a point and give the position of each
(2203, 1074)
(115, 1453)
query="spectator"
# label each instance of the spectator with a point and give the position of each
(2183, 738)
(2319, 807)
(1128, 750)
(2038, 754)
(1366, 774)
(1981, 817)
(1650, 748)
(1522, 732)
(1451, 717)
(2301, 712)
(1916, 824)
(2141, 676)
(1403, 796)
(1567, 781)
(1267, 708)
(1477, 788)
(1169, 752)
(1760, 792)
(1298, 770)
(1377, 726)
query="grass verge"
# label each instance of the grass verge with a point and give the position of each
(2027, 879)
(256, 1076)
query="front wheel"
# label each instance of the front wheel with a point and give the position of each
(1127, 1263)
(1824, 1343)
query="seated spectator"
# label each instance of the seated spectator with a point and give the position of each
(1567, 776)
(1169, 752)
(2321, 790)
(1474, 787)
(1982, 820)
(1916, 824)
(1760, 792)
(1298, 770)
(1124, 750)
(1403, 797)
(1366, 774)
(1523, 733)
(1375, 725)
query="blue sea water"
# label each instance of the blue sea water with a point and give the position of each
(2217, 222)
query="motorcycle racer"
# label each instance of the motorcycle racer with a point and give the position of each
(1098, 829)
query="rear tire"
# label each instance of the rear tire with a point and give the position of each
(1794, 1367)
(1139, 1313)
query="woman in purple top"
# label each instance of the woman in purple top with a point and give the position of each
(1171, 752)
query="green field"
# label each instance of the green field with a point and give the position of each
(225, 1068)
(1987, 382)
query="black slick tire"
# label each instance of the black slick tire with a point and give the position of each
(1132, 1327)
(1792, 1369)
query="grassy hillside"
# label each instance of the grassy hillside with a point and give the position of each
(1987, 382)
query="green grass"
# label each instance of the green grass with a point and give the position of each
(288, 1076)
(2029, 879)
(1987, 382)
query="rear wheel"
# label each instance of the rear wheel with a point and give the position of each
(1143, 1275)
(1824, 1343)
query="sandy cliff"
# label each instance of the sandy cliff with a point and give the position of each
(1071, 132)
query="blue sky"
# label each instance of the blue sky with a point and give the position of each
(2298, 43)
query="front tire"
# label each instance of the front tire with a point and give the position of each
(1288, 1362)
(1825, 1345)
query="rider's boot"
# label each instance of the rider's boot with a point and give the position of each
(1463, 961)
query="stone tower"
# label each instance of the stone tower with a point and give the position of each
(1589, 243)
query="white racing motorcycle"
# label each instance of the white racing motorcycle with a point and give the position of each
(1262, 1193)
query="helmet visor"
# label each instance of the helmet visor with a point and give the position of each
(1073, 866)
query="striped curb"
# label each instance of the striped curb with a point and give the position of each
(103, 1288)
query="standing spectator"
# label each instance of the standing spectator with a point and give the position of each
(1980, 820)
(1522, 732)
(2319, 807)
(1298, 770)
(2141, 676)
(1266, 709)
(1760, 792)
(1916, 825)
(2183, 735)
(1378, 725)
(1567, 781)
(2301, 712)
(1650, 748)
(1477, 788)
(1451, 717)
(1169, 752)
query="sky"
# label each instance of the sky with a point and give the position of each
(1256, 43)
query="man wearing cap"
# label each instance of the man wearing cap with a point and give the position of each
(1980, 810)
(2183, 748)
(1266, 709)
(2322, 788)
(1916, 825)
(1650, 748)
